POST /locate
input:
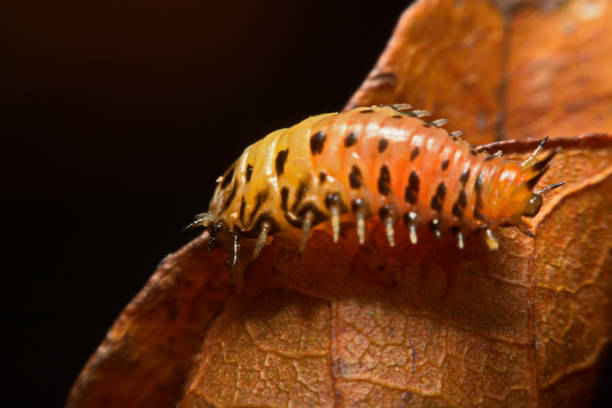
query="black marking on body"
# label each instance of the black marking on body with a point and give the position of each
(385, 211)
(427, 124)
(335, 200)
(412, 191)
(350, 139)
(460, 204)
(534, 180)
(230, 197)
(319, 216)
(397, 116)
(265, 217)
(409, 218)
(355, 177)
(366, 111)
(242, 208)
(465, 175)
(259, 200)
(317, 142)
(414, 153)
(284, 198)
(281, 160)
(433, 226)
(438, 199)
(322, 177)
(478, 189)
(227, 179)
(384, 180)
(382, 144)
(249, 172)
(445, 164)
(299, 196)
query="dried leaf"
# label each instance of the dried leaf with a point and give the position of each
(529, 70)
(425, 325)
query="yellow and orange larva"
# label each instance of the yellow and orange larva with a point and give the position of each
(380, 161)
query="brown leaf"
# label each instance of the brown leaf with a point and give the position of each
(424, 325)
(529, 70)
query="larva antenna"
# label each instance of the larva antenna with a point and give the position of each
(306, 226)
(530, 161)
(549, 188)
(201, 220)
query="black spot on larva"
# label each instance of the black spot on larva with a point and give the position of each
(478, 214)
(355, 177)
(242, 207)
(464, 176)
(433, 226)
(317, 141)
(385, 211)
(457, 210)
(414, 153)
(227, 179)
(301, 192)
(281, 160)
(284, 198)
(438, 199)
(357, 204)
(382, 144)
(427, 124)
(322, 177)
(473, 152)
(366, 111)
(462, 199)
(478, 183)
(334, 200)
(230, 197)
(350, 139)
(259, 200)
(319, 216)
(397, 116)
(249, 172)
(384, 180)
(412, 191)
(445, 164)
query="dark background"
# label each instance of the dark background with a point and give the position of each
(118, 119)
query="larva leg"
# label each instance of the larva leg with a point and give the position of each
(335, 221)
(212, 236)
(235, 249)
(490, 240)
(306, 226)
(389, 231)
(261, 240)
(360, 226)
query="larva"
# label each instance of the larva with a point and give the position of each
(379, 161)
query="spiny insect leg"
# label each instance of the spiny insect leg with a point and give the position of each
(439, 122)
(235, 249)
(459, 236)
(549, 188)
(335, 221)
(490, 240)
(261, 240)
(306, 226)
(530, 161)
(212, 236)
(389, 231)
(360, 227)
(420, 113)
(410, 223)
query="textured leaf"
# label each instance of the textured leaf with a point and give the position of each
(424, 325)
(535, 68)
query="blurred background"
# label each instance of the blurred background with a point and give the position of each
(119, 116)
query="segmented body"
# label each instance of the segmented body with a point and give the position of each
(377, 162)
